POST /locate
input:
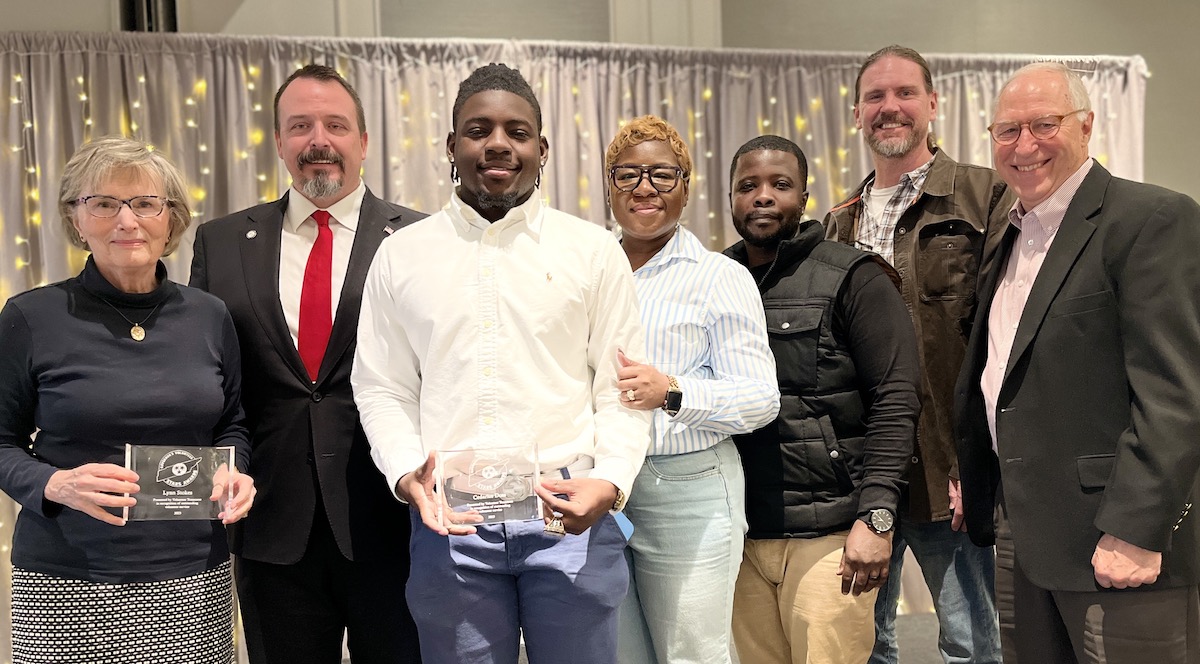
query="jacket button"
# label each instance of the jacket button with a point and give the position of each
(915, 459)
(317, 396)
(834, 454)
(786, 325)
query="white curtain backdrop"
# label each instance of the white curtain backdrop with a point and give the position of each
(206, 102)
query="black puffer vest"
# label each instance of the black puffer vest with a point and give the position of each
(802, 470)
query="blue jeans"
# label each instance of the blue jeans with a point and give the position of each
(689, 517)
(962, 579)
(472, 596)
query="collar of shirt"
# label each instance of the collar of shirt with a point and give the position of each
(1050, 212)
(345, 211)
(528, 213)
(683, 245)
(914, 179)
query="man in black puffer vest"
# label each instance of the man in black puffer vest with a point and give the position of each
(824, 479)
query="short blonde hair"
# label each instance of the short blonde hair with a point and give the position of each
(95, 162)
(649, 128)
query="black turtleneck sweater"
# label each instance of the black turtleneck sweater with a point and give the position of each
(70, 370)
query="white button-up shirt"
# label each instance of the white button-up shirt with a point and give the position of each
(299, 234)
(476, 335)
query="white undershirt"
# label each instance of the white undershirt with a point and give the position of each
(878, 200)
(296, 242)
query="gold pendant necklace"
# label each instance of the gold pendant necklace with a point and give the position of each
(136, 332)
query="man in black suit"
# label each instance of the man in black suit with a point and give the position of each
(1078, 408)
(326, 549)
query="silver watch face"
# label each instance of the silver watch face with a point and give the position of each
(882, 520)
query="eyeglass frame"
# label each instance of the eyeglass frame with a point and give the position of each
(166, 203)
(644, 171)
(1022, 126)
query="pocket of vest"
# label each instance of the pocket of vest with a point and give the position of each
(793, 330)
(814, 462)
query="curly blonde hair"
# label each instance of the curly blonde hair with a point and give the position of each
(649, 128)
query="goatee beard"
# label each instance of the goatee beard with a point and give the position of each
(787, 228)
(502, 202)
(322, 185)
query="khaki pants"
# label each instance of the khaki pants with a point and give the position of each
(788, 606)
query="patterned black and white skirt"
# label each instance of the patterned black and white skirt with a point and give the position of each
(161, 622)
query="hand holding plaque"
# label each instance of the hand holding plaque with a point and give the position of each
(487, 485)
(177, 482)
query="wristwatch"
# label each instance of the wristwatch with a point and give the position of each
(880, 520)
(619, 503)
(674, 400)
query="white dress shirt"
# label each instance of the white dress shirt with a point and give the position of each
(705, 325)
(296, 242)
(477, 335)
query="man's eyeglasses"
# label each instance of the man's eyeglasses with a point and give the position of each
(1045, 127)
(662, 178)
(107, 206)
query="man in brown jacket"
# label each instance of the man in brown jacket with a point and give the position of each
(929, 217)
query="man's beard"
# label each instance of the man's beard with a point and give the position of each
(322, 185)
(502, 202)
(894, 147)
(787, 228)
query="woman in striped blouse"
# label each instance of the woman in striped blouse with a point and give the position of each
(710, 375)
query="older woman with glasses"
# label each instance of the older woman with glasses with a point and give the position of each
(710, 374)
(118, 354)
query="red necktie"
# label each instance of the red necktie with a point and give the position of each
(316, 299)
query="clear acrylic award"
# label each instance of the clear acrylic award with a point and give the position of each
(493, 485)
(176, 482)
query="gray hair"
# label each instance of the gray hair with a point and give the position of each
(1075, 87)
(95, 162)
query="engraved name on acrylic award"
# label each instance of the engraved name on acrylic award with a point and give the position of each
(177, 481)
(480, 486)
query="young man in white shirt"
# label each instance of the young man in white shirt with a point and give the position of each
(498, 323)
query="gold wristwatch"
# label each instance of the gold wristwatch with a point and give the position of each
(619, 503)
(674, 399)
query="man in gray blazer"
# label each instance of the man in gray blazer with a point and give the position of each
(325, 551)
(1078, 408)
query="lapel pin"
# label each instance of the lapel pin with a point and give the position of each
(389, 230)
(549, 277)
(251, 234)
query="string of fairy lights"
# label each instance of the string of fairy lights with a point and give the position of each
(213, 118)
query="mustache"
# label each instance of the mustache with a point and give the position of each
(320, 155)
(885, 118)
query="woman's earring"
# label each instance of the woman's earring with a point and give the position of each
(453, 171)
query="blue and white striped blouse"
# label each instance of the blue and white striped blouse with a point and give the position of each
(705, 325)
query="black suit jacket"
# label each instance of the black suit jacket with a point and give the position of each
(296, 424)
(1098, 419)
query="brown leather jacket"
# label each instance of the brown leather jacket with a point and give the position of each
(939, 245)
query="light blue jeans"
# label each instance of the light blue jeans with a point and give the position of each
(962, 579)
(689, 518)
